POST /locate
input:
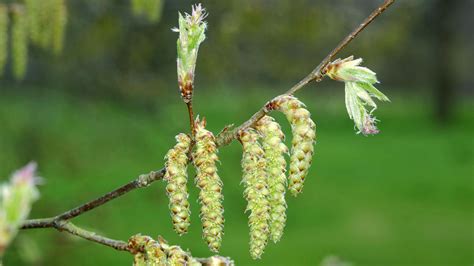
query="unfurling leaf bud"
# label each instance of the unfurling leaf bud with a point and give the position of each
(359, 91)
(256, 191)
(274, 148)
(210, 185)
(16, 199)
(304, 136)
(191, 31)
(177, 177)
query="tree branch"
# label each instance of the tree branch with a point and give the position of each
(316, 75)
(65, 226)
(191, 117)
(61, 221)
(142, 181)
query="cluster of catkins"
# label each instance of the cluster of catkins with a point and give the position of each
(264, 168)
(204, 157)
(264, 175)
(41, 22)
(150, 252)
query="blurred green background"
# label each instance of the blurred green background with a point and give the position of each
(107, 109)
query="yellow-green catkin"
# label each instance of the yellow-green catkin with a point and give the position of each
(3, 37)
(256, 191)
(176, 256)
(58, 25)
(35, 13)
(149, 9)
(137, 7)
(19, 42)
(153, 10)
(177, 177)
(39, 21)
(210, 185)
(47, 20)
(304, 136)
(148, 252)
(275, 150)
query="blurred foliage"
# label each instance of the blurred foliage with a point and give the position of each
(150, 9)
(110, 53)
(37, 22)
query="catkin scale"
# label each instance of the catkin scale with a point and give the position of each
(210, 185)
(274, 150)
(256, 191)
(176, 256)
(176, 176)
(304, 136)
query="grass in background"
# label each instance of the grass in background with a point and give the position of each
(404, 197)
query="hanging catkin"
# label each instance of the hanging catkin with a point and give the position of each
(210, 185)
(177, 177)
(147, 251)
(39, 21)
(275, 150)
(153, 10)
(19, 41)
(36, 19)
(3, 37)
(149, 9)
(304, 136)
(47, 20)
(58, 25)
(256, 191)
(137, 7)
(176, 256)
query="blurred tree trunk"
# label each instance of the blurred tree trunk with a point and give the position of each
(442, 19)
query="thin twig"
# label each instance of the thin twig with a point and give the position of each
(191, 116)
(65, 226)
(142, 181)
(316, 75)
(68, 227)
(61, 222)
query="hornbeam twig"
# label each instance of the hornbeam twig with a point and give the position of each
(65, 226)
(61, 221)
(140, 182)
(316, 75)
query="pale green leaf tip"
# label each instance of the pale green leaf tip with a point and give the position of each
(359, 91)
